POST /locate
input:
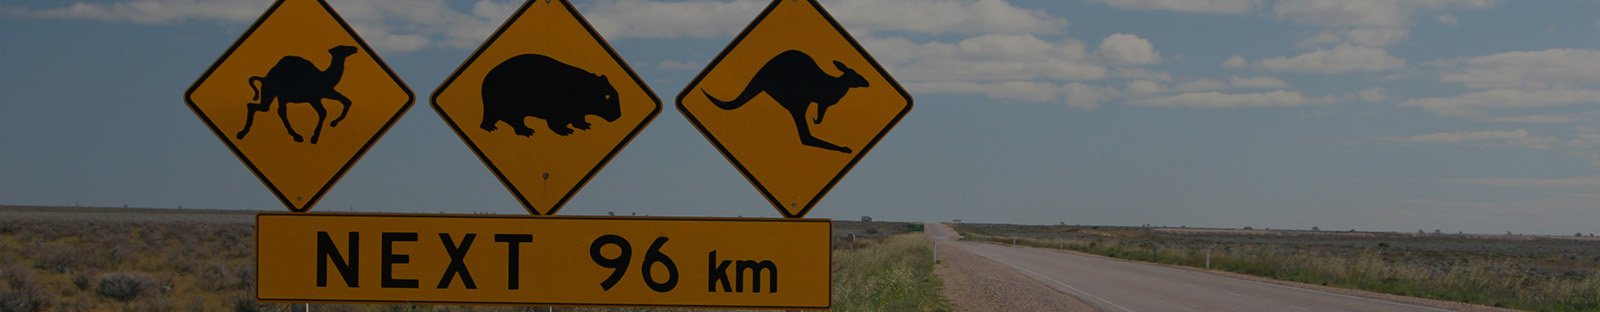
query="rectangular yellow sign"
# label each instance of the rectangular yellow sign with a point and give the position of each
(610, 261)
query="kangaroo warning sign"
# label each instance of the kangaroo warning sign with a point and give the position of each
(545, 103)
(299, 98)
(794, 102)
(478, 259)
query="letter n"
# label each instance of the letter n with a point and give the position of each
(326, 252)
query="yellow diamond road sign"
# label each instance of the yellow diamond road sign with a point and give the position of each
(545, 103)
(299, 98)
(794, 102)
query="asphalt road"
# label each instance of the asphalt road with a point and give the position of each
(1114, 285)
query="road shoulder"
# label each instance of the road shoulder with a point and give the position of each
(973, 283)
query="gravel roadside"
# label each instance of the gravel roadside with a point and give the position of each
(973, 283)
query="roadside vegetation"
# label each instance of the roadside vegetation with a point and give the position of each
(892, 274)
(1513, 271)
(169, 260)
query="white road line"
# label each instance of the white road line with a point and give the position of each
(1057, 282)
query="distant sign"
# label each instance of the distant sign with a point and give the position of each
(322, 97)
(794, 102)
(545, 103)
(676, 262)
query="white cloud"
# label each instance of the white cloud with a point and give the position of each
(407, 25)
(1258, 83)
(1474, 104)
(1340, 59)
(390, 25)
(1521, 80)
(985, 58)
(1141, 73)
(1581, 182)
(705, 19)
(1031, 91)
(1201, 85)
(660, 19)
(1077, 95)
(1191, 6)
(1342, 12)
(937, 16)
(1127, 49)
(1587, 136)
(1361, 37)
(1365, 13)
(1542, 119)
(1144, 87)
(403, 25)
(1364, 23)
(676, 65)
(1374, 94)
(1519, 137)
(1235, 83)
(156, 11)
(1087, 96)
(1215, 99)
(1237, 61)
(1544, 69)
(1448, 19)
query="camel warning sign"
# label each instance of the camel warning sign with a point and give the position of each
(794, 102)
(545, 103)
(299, 98)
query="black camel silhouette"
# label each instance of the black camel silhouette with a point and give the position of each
(296, 80)
(795, 81)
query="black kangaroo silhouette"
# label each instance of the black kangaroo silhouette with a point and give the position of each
(540, 86)
(296, 80)
(795, 81)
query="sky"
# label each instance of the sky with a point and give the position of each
(1471, 116)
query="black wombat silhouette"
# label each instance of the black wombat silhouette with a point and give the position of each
(539, 86)
(296, 80)
(795, 81)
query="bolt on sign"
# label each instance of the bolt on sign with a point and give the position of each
(299, 98)
(794, 102)
(545, 103)
(478, 259)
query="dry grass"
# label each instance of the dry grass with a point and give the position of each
(1542, 274)
(92, 265)
(894, 274)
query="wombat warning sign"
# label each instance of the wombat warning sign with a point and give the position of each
(545, 103)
